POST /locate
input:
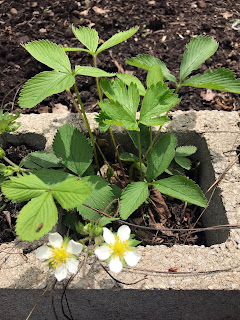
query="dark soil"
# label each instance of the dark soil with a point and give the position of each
(9, 210)
(164, 29)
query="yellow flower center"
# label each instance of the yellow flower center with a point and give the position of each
(59, 256)
(119, 248)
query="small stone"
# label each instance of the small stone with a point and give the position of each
(36, 13)
(42, 31)
(34, 4)
(13, 11)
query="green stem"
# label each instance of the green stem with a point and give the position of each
(118, 156)
(97, 80)
(88, 126)
(107, 163)
(76, 106)
(152, 144)
(10, 162)
(150, 131)
(140, 154)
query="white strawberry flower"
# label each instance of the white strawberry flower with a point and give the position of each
(61, 255)
(118, 250)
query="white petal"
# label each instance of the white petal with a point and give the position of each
(43, 252)
(55, 239)
(72, 265)
(61, 272)
(103, 252)
(108, 236)
(115, 265)
(74, 247)
(124, 233)
(132, 258)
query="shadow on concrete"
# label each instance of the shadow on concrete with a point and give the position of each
(123, 305)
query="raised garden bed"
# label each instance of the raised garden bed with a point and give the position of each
(214, 266)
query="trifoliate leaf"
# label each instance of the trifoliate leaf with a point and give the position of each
(161, 156)
(132, 197)
(44, 85)
(87, 36)
(100, 198)
(50, 54)
(92, 72)
(41, 159)
(37, 218)
(157, 100)
(71, 193)
(73, 148)
(146, 61)
(198, 50)
(116, 39)
(221, 79)
(185, 151)
(182, 188)
(24, 187)
(129, 78)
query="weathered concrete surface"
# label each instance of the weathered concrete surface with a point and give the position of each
(202, 268)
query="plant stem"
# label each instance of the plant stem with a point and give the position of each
(88, 125)
(152, 144)
(140, 154)
(150, 131)
(76, 106)
(97, 80)
(117, 154)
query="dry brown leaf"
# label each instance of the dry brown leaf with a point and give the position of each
(99, 10)
(226, 15)
(60, 108)
(208, 95)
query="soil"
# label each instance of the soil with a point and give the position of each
(164, 29)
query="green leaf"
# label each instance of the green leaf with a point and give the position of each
(71, 193)
(100, 118)
(50, 54)
(92, 72)
(87, 36)
(132, 197)
(182, 188)
(174, 169)
(198, 50)
(146, 61)
(24, 187)
(221, 79)
(37, 218)
(183, 162)
(7, 122)
(129, 78)
(185, 151)
(73, 148)
(44, 85)
(144, 137)
(99, 199)
(41, 159)
(161, 156)
(116, 39)
(157, 100)
(52, 177)
(105, 220)
(126, 156)
(122, 108)
(154, 75)
(115, 90)
(118, 115)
